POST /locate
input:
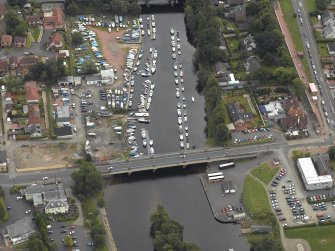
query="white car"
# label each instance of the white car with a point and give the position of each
(184, 105)
(180, 121)
(148, 32)
(28, 211)
(144, 143)
(180, 66)
(143, 134)
(45, 178)
(143, 32)
(151, 142)
(19, 198)
(152, 150)
(178, 105)
(155, 55)
(185, 118)
(110, 168)
(150, 50)
(178, 46)
(186, 128)
(175, 74)
(181, 144)
(154, 30)
(174, 56)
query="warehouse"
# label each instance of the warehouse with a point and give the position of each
(311, 178)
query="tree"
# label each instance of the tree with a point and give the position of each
(331, 152)
(321, 5)
(253, 9)
(36, 244)
(87, 181)
(89, 67)
(16, 2)
(68, 241)
(167, 233)
(222, 134)
(3, 211)
(72, 9)
(298, 88)
(266, 244)
(15, 24)
(134, 8)
(77, 39)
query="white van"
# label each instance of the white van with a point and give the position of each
(3, 88)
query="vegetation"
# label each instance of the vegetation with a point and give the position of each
(296, 154)
(167, 233)
(89, 67)
(35, 243)
(3, 211)
(47, 72)
(320, 238)
(68, 241)
(41, 221)
(87, 181)
(77, 39)
(265, 173)
(331, 152)
(15, 24)
(119, 7)
(266, 243)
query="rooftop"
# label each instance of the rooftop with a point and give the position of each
(309, 172)
(20, 227)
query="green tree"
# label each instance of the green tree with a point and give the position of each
(3, 211)
(222, 134)
(266, 244)
(331, 152)
(36, 244)
(68, 241)
(15, 24)
(72, 9)
(77, 39)
(87, 181)
(16, 2)
(89, 67)
(321, 5)
(134, 8)
(298, 88)
(253, 8)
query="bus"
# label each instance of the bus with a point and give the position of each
(216, 178)
(226, 165)
(214, 174)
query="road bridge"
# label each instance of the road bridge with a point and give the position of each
(184, 159)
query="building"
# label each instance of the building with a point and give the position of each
(3, 161)
(328, 31)
(331, 48)
(34, 114)
(249, 43)
(238, 115)
(310, 178)
(64, 132)
(235, 2)
(64, 81)
(2, 10)
(55, 42)
(54, 19)
(296, 118)
(239, 14)
(31, 92)
(221, 71)
(48, 197)
(20, 231)
(251, 64)
(50, 4)
(33, 130)
(6, 41)
(34, 20)
(321, 162)
(20, 42)
(107, 75)
(327, 18)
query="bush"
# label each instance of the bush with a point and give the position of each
(3, 211)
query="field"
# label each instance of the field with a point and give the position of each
(255, 199)
(323, 49)
(265, 172)
(46, 156)
(320, 238)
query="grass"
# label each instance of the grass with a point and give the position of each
(255, 199)
(332, 165)
(265, 173)
(304, 63)
(323, 49)
(311, 5)
(29, 41)
(35, 32)
(240, 99)
(226, 114)
(314, 235)
(232, 44)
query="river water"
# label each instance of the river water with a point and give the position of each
(130, 200)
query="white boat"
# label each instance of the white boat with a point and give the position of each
(144, 143)
(193, 99)
(151, 142)
(171, 30)
(143, 133)
(144, 120)
(141, 114)
(153, 69)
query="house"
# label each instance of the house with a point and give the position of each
(31, 92)
(34, 114)
(290, 104)
(20, 231)
(55, 42)
(321, 163)
(328, 31)
(63, 53)
(3, 161)
(239, 14)
(107, 75)
(13, 62)
(20, 42)
(237, 114)
(54, 19)
(331, 48)
(327, 18)
(34, 20)
(56, 207)
(93, 79)
(249, 43)
(33, 130)
(27, 7)
(4, 66)
(235, 2)
(6, 41)
(65, 81)
(27, 62)
(64, 132)
(251, 64)
(221, 71)
(295, 118)
(50, 4)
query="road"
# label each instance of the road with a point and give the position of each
(311, 49)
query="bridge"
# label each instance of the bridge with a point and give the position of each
(184, 159)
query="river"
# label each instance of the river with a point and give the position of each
(130, 200)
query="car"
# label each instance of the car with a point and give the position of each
(24, 145)
(72, 232)
(177, 94)
(45, 178)
(186, 128)
(19, 198)
(50, 232)
(110, 168)
(175, 74)
(28, 211)
(51, 239)
(90, 244)
(9, 208)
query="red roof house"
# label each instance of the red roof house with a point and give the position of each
(55, 19)
(34, 114)
(31, 92)
(6, 40)
(55, 41)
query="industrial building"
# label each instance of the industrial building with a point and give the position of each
(311, 178)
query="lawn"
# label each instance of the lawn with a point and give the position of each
(314, 235)
(256, 200)
(35, 32)
(311, 5)
(240, 99)
(226, 114)
(29, 42)
(323, 49)
(265, 172)
(232, 44)
(332, 165)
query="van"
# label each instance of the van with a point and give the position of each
(2, 88)
(48, 226)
